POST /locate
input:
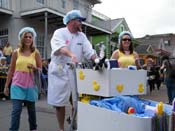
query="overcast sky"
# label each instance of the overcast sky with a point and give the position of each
(142, 16)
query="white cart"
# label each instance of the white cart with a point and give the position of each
(108, 83)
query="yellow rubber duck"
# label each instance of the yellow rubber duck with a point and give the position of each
(96, 86)
(160, 108)
(140, 88)
(85, 99)
(119, 88)
(81, 75)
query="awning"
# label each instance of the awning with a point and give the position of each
(4, 11)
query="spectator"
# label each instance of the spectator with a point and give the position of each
(149, 66)
(44, 67)
(44, 75)
(25, 60)
(1, 52)
(3, 61)
(7, 51)
(169, 77)
(3, 74)
(157, 77)
(3, 65)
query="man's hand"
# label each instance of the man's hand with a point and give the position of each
(74, 59)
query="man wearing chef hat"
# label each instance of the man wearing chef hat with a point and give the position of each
(68, 44)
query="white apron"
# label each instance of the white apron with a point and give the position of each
(60, 77)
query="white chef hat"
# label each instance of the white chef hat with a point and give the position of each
(122, 34)
(73, 14)
(27, 29)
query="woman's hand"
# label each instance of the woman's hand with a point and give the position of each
(6, 91)
(31, 66)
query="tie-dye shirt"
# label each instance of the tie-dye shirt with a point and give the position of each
(23, 87)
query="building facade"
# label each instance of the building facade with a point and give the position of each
(116, 26)
(44, 16)
(161, 45)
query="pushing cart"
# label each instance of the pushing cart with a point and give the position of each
(118, 83)
(3, 77)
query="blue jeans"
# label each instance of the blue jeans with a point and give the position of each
(170, 84)
(16, 113)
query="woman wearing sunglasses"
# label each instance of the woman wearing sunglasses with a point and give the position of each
(125, 55)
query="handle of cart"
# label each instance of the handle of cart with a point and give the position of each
(73, 123)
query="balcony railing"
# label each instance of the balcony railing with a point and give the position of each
(29, 5)
(56, 5)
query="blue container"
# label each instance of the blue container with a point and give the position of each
(113, 63)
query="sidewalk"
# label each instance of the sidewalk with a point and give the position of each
(46, 114)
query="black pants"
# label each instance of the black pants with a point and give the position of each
(151, 85)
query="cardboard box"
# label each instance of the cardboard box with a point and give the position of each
(92, 118)
(112, 82)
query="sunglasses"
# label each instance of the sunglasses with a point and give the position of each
(126, 39)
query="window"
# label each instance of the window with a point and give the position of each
(122, 28)
(3, 3)
(3, 32)
(3, 41)
(40, 1)
(75, 3)
(149, 49)
(3, 37)
(40, 44)
(63, 3)
(167, 42)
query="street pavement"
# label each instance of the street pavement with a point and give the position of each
(46, 118)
